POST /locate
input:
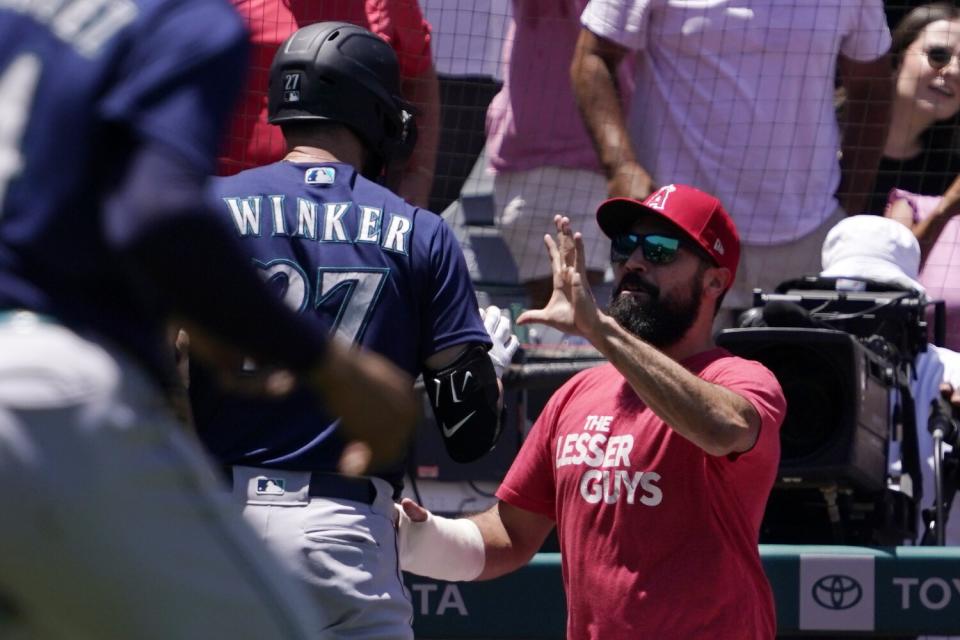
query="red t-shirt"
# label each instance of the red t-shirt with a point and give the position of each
(251, 141)
(658, 538)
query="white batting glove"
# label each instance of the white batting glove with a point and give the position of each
(505, 343)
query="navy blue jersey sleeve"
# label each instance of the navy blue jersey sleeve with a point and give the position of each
(180, 79)
(452, 315)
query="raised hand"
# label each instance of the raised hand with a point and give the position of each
(571, 308)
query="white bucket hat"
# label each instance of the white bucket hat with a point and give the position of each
(875, 248)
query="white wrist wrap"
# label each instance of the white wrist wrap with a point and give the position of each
(440, 548)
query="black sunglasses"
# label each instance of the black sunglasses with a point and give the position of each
(939, 56)
(657, 247)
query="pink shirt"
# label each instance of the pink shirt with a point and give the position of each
(658, 538)
(533, 121)
(940, 275)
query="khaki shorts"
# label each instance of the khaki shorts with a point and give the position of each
(526, 202)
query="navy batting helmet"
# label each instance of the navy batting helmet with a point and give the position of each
(342, 73)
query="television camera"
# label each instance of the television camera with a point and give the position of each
(843, 350)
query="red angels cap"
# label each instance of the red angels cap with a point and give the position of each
(698, 215)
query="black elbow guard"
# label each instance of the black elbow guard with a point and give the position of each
(465, 398)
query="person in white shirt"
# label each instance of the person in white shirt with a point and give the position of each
(737, 99)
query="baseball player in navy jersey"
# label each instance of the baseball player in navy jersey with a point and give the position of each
(386, 275)
(114, 525)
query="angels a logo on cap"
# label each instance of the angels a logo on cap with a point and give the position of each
(659, 199)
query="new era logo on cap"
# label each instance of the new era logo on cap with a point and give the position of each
(700, 216)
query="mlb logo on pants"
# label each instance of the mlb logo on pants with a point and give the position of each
(271, 486)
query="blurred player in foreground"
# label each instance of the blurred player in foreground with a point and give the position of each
(113, 524)
(388, 276)
(655, 467)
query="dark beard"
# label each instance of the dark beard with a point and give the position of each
(660, 321)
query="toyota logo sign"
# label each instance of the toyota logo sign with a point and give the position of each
(837, 592)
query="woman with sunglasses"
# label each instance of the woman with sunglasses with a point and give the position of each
(919, 175)
(921, 153)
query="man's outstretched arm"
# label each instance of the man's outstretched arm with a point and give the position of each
(480, 547)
